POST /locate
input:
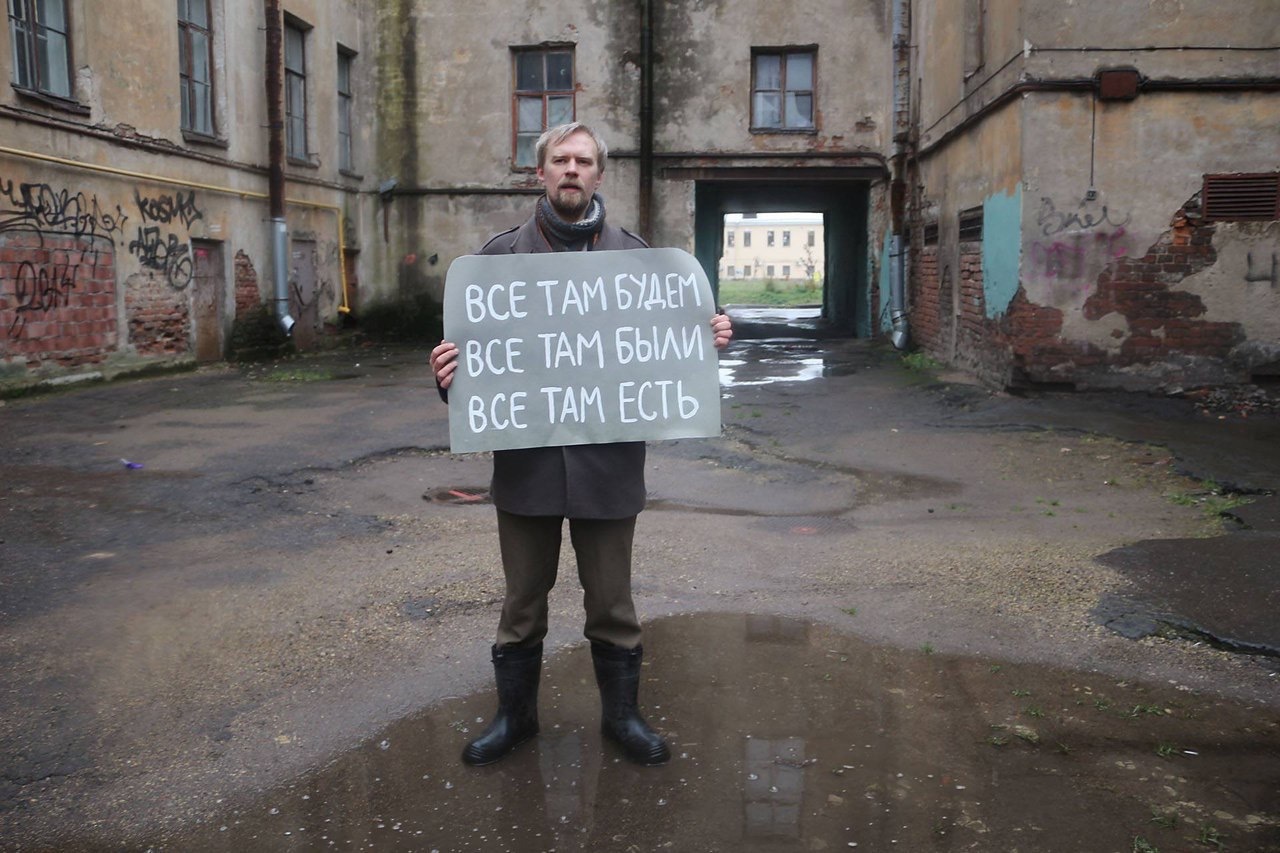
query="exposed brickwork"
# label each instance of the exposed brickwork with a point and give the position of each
(972, 334)
(57, 299)
(929, 309)
(159, 316)
(248, 294)
(1164, 330)
(1163, 321)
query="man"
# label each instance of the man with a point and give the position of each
(598, 487)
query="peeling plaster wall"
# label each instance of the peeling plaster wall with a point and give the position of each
(1148, 157)
(445, 112)
(703, 76)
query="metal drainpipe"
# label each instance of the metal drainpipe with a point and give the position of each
(646, 119)
(279, 236)
(901, 336)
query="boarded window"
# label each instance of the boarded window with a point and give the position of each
(1242, 197)
(543, 98)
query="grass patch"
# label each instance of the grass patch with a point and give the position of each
(920, 361)
(1213, 500)
(770, 291)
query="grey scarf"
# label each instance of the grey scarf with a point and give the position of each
(571, 235)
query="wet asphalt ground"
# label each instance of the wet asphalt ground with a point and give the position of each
(886, 610)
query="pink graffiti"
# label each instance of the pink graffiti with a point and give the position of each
(1071, 264)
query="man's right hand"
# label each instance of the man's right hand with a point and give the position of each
(444, 361)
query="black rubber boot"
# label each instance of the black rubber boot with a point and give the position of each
(618, 674)
(516, 672)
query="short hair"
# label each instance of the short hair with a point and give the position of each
(558, 134)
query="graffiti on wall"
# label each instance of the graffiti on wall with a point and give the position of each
(53, 235)
(162, 251)
(61, 241)
(165, 209)
(40, 209)
(1085, 217)
(1075, 247)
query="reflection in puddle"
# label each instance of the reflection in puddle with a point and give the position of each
(767, 372)
(788, 735)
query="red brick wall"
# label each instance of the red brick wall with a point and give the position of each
(248, 295)
(1164, 321)
(928, 310)
(57, 299)
(158, 314)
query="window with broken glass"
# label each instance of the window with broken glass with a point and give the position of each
(543, 98)
(40, 36)
(195, 66)
(782, 89)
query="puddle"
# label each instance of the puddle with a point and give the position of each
(788, 735)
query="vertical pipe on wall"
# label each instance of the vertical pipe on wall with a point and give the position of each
(279, 236)
(646, 120)
(901, 334)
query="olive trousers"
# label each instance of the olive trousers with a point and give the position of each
(530, 547)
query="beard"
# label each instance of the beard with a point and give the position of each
(572, 205)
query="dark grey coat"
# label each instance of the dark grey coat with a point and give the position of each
(577, 481)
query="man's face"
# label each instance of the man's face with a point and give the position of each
(571, 173)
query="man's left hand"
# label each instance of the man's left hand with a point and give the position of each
(722, 329)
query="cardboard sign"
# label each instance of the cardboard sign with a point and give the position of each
(580, 348)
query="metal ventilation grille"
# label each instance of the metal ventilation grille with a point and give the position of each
(1228, 197)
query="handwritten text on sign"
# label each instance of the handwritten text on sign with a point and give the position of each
(580, 348)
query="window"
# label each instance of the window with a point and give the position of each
(746, 238)
(768, 270)
(970, 225)
(295, 91)
(786, 238)
(812, 238)
(782, 90)
(543, 98)
(768, 238)
(195, 66)
(786, 271)
(728, 238)
(346, 159)
(40, 35)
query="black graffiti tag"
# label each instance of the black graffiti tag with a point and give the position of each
(172, 257)
(1053, 221)
(167, 208)
(42, 209)
(40, 290)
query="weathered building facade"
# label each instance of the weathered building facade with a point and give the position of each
(1095, 191)
(1035, 191)
(134, 177)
